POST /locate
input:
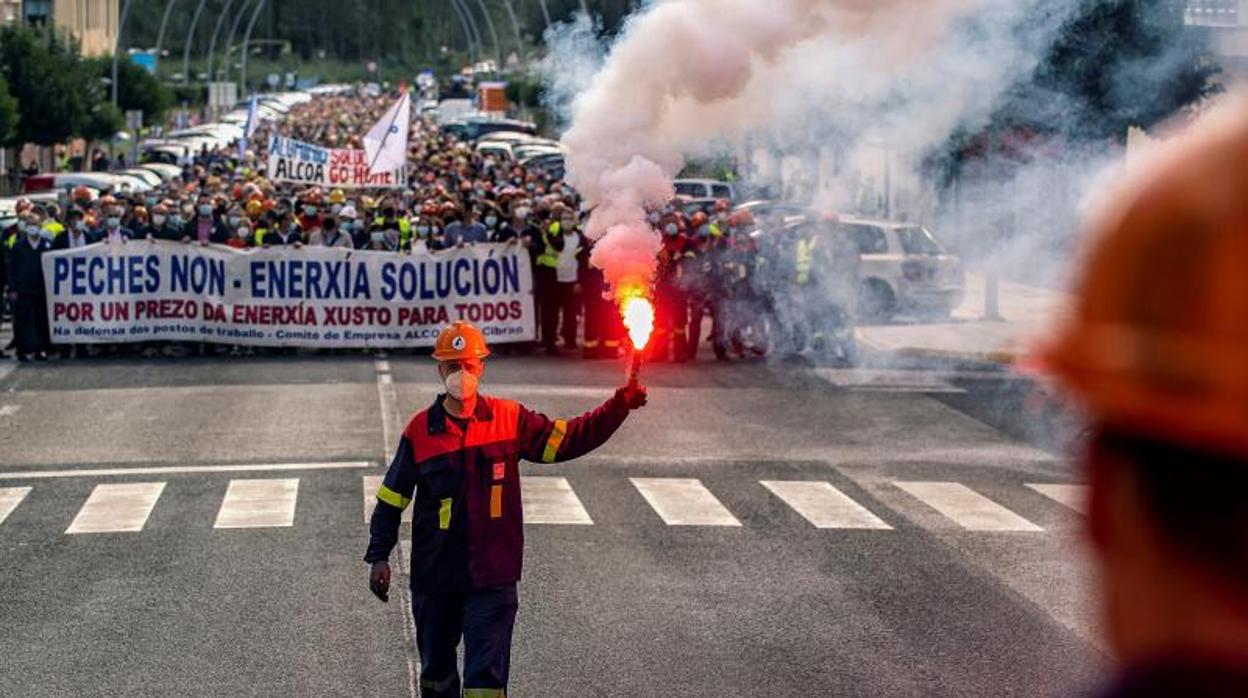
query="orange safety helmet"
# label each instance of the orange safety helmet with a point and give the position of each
(462, 340)
(698, 219)
(722, 205)
(1157, 341)
(80, 193)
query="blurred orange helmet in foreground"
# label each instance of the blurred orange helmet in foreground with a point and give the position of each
(1157, 343)
(462, 340)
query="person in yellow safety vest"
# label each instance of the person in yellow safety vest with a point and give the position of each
(390, 220)
(560, 265)
(544, 276)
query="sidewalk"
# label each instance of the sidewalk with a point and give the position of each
(1025, 311)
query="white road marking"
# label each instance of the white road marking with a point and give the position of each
(388, 399)
(180, 469)
(966, 507)
(10, 497)
(1073, 496)
(888, 381)
(9, 410)
(405, 557)
(683, 502)
(823, 505)
(117, 508)
(550, 500)
(258, 504)
(371, 483)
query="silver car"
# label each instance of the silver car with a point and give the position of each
(904, 270)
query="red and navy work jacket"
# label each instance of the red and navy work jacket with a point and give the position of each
(467, 526)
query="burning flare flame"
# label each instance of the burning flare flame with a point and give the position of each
(637, 312)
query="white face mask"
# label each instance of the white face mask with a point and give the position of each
(158, 220)
(461, 385)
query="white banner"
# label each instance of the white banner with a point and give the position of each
(340, 168)
(306, 297)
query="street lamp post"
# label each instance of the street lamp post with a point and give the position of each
(515, 28)
(489, 24)
(164, 22)
(467, 27)
(251, 24)
(216, 31)
(190, 38)
(229, 40)
(121, 27)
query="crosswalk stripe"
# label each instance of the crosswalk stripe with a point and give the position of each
(9, 410)
(1073, 496)
(10, 497)
(683, 502)
(117, 508)
(966, 507)
(371, 483)
(258, 503)
(823, 505)
(550, 500)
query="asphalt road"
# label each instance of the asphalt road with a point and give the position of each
(972, 589)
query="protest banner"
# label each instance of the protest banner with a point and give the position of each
(307, 297)
(341, 168)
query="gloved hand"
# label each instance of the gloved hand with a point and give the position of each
(379, 580)
(632, 395)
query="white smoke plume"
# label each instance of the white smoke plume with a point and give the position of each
(689, 73)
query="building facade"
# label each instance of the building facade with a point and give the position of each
(1226, 22)
(92, 22)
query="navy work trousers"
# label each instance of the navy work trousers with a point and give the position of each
(484, 618)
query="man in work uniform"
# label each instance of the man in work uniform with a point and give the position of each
(461, 459)
(1157, 351)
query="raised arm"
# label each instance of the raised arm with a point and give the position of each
(546, 440)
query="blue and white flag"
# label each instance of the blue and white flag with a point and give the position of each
(386, 142)
(249, 127)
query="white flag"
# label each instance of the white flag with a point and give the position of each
(385, 144)
(249, 128)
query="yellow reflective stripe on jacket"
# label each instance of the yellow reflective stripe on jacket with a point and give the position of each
(444, 514)
(484, 693)
(392, 498)
(805, 258)
(556, 438)
(260, 233)
(715, 230)
(549, 256)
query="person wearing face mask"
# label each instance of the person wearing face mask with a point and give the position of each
(206, 226)
(310, 210)
(166, 222)
(672, 306)
(111, 230)
(77, 232)
(287, 233)
(337, 199)
(330, 235)
(490, 217)
(457, 463)
(396, 230)
(466, 230)
(27, 292)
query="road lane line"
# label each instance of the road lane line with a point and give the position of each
(117, 508)
(550, 500)
(1073, 496)
(405, 557)
(371, 483)
(10, 497)
(823, 505)
(388, 399)
(258, 504)
(180, 469)
(683, 502)
(9, 410)
(966, 507)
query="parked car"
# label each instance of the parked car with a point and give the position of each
(705, 189)
(111, 181)
(904, 269)
(165, 171)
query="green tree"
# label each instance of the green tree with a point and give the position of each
(103, 122)
(45, 78)
(9, 114)
(136, 88)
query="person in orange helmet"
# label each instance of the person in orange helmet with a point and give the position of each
(1156, 352)
(457, 463)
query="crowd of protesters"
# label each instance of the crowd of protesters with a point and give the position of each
(709, 267)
